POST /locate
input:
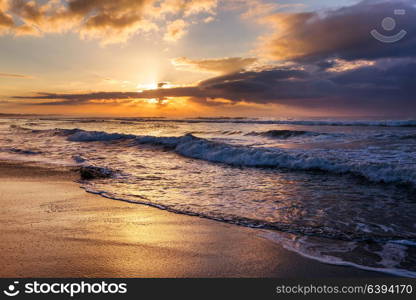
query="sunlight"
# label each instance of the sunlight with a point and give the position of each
(152, 101)
(154, 86)
(147, 86)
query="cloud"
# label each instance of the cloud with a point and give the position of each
(187, 7)
(175, 30)
(193, 7)
(112, 21)
(38, 17)
(219, 65)
(259, 9)
(26, 30)
(209, 19)
(332, 62)
(107, 20)
(339, 65)
(9, 75)
(6, 21)
(341, 33)
(385, 87)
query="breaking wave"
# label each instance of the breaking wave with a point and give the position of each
(20, 151)
(245, 156)
(283, 134)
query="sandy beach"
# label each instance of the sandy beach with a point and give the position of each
(50, 227)
(207, 139)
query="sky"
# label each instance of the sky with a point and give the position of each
(185, 58)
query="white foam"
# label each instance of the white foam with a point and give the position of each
(365, 163)
(405, 242)
(391, 255)
(376, 171)
(91, 136)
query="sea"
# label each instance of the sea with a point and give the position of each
(341, 191)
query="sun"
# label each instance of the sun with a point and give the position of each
(154, 85)
(147, 86)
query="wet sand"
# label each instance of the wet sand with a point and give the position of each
(50, 227)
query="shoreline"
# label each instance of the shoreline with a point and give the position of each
(53, 228)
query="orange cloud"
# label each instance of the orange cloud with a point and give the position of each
(107, 20)
(9, 75)
(282, 45)
(220, 65)
(175, 30)
(200, 6)
(6, 21)
(340, 65)
(255, 9)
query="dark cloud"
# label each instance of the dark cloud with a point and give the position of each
(343, 33)
(380, 88)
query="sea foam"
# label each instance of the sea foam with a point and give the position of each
(335, 161)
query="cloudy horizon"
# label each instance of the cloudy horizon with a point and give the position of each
(207, 58)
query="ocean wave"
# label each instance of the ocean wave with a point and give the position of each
(19, 128)
(409, 137)
(242, 120)
(329, 232)
(20, 151)
(364, 123)
(77, 135)
(244, 156)
(388, 259)
(282, 134)
(222, 132)
(386, 123)
(222, 118)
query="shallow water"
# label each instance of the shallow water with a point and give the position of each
(344, 189)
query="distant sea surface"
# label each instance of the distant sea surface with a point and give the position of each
(339, 191)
